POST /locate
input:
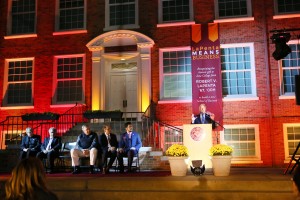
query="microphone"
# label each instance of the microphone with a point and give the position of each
(207, 115)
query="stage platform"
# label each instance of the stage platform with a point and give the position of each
(242, 184)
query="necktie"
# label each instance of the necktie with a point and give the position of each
(203, 118)
(108, 140)
(49, 144)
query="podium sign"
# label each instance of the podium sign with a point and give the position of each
(198, 139)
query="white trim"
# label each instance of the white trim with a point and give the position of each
(175, 24)
(69, 32)
(174, 101)
(54, 84)
(287, 157)
(62, 105)
(108, 27)
(287, 96)
(253, 95)
(245, 98)
(285, 16)
(9, 21)
(5, 83)
(16, 107)
(244, 159)
(223, 19)
(283, 94)
(161, 74)
(8, 37)
(238, 19)
(168, 23)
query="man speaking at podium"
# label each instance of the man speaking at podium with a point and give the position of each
(204, 117)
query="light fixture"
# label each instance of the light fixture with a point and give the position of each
(281, 48)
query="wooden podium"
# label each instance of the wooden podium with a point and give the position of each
(198, 139)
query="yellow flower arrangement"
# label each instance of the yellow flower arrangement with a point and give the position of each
(177, 150)
(220, 150)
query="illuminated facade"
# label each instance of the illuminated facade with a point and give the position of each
(109, 53)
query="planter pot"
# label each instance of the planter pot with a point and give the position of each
(178, 165)
(221, 165)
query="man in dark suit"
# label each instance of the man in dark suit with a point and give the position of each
(30, 144)
(109, 144)
(129, 145)
(204, 117)
(50, 148)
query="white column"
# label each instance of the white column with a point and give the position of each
(96, 84)
(145, 75)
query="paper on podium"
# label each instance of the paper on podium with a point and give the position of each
(198, 139)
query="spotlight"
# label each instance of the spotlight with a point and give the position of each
(281, 48)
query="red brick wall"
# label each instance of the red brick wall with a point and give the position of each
(269, 111)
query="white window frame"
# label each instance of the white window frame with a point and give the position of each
(5, 85)
(55, 80)
(244, 97)
(127, 26)
(161, 76)
(175, 23)
(9, 23)
(247, 17)
(245, 159)
(278, 15)
(287, 157)
(285, 95)
(70, 31)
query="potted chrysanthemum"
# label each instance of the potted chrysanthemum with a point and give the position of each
(178, 159)
(221, 155)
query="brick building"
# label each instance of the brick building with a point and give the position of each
(54, 53)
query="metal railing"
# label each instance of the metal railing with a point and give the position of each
(154, 133)
(13, 127)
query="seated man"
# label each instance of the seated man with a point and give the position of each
(30, 145)
(86, 146)
(129, 145)
(50, 148)
(109, 144)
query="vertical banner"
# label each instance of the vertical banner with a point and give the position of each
(206, 70)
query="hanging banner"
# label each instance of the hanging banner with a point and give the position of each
(206, 71)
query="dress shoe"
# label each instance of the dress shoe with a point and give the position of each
(76, 170)
(92, 171)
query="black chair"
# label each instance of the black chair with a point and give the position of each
(64, 155)
(135, 163)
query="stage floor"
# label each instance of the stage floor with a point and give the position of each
(242, 183)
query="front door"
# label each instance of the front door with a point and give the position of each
(123, 91)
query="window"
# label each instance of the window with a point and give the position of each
(290, 66)
(291, 139)
(245, 141)
(72, 14)
(287, 7)
(69, 72)
(175, 70)
(238, 71)
(18, 82)
(175, 11)
(121, 14)
(21, 17)
(232, 8)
